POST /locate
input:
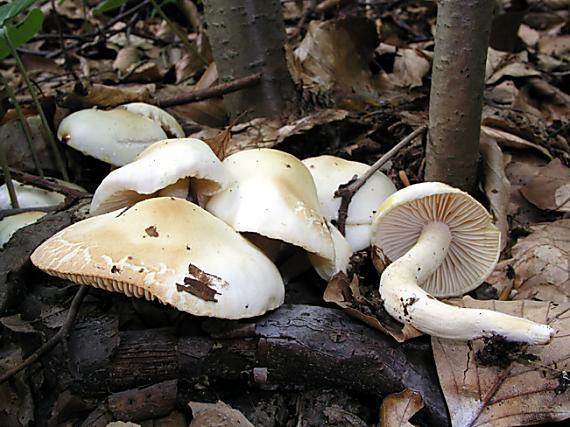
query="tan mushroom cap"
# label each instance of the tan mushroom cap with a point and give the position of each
(475, 241)
(170, 250)
(273, 194)
(161, 165)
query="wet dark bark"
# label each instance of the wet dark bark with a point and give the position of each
(296, 346)
(456, 99)
(248, 36)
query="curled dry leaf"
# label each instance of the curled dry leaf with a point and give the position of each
(107, 96)
(550, 188)
(217, 414)
(346, 294)
(525, 389)
(510, 140)
(505, 64)
(335, 55)
(410, 65)
(496, 185)
(398, 408)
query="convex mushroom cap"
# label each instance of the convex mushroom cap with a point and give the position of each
(166, 168)
(117, 136)
(443, 240)
(166, 249)
(273, 194)
(329, 172)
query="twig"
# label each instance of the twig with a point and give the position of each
(23, 123)
(307, 12)
(347, 191)
(53, 341)
(48, 133)
(47, 184)
(213, 91)
(8, 177)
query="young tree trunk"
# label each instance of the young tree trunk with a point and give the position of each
(456, 98)
(248, 36)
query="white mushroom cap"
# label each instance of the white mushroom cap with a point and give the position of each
(329, 172)
(273, 195)
(475, 241)
(29, 196)
(115, 136)
(162, 164)
(167, 249)
(157, 115)
(10, 224)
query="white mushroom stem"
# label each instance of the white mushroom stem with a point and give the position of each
(407, 302)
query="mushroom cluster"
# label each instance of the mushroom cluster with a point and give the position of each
(167, 226)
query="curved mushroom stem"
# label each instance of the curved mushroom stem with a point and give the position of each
(407, 302)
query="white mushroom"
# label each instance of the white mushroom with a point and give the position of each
(328, 173)
(29, 196)
(170, 250)
(166, 168)
(10, 224)
(117, 136)
(273, 195)
(443, 240)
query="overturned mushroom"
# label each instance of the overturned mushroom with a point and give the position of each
(273, 195)
(443, 240)
(167, 168)
(117, 136)
(166, 249)
(329, 172)
(30, 196)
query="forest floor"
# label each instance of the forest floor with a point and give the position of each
(363, 74)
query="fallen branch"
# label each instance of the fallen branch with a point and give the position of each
(211, 92)
(347, 191)
(47, 184)
(297, 346)
(53, 341)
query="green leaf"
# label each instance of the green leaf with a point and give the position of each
(108, 5)
(21, 33)
(11, 10)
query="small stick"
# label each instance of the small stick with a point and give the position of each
(8, 177)
(47, 184)
(347, 191)
(213, 91)
(53, 341)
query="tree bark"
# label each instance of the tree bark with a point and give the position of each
(248, 36)
(295, 346)
(456, 98)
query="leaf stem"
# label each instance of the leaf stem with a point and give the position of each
(48, 133)
(24, 123)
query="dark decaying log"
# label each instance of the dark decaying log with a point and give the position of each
(295, 346)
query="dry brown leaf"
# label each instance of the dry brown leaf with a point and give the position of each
(505, 64)
(509, 140)
(126, 58)
(217, 414)
(398, 408)
(555, 45)
(108, 96)
(522, 393)
(550, 188)
(346, 294)
(496, 185)
(335, 55)
(410, 66)
(551, 101)
(540, 265)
